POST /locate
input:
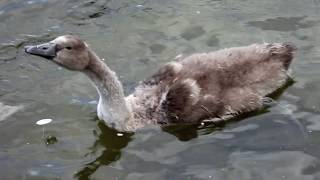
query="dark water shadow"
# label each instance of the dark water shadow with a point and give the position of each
(112, 143)
(187, 132)
(283, 23)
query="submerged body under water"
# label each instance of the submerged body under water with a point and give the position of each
(135, 38)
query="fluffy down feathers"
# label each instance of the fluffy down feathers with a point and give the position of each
(213, 85)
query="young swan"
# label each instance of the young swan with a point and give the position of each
(203, 86)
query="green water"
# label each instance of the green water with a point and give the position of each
(135, 37)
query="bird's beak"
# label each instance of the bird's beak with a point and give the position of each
(47, 50)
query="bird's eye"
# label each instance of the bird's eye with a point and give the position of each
(68, 47)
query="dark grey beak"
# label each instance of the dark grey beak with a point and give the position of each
(47, 50)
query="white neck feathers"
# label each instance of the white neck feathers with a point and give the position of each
(112, 106)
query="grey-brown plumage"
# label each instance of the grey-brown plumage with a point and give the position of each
(219, 84)
(215, 85)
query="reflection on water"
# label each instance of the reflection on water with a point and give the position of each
(135, 37)
(111, 150)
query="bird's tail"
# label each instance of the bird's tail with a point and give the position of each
(283, 52)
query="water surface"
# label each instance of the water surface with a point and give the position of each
(135, 37)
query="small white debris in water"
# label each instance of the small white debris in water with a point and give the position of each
(93, 102)
(198, 12)
(33, 172)
(43, 122)
(30, 2)
(49, 165)
(27, 143)
(75, 101)
(178, 56)
(139, 5)
(210, 177)
(119, 134)
(103, 59)
(202, 124)
(24, 77)
(55, 27)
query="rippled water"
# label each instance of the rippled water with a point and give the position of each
(135, 37)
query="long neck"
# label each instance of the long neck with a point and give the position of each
(112, 106)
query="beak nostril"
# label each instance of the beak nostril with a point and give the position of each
(44, 48)
(27, 48)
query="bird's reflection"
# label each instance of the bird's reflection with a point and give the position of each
(112, 142)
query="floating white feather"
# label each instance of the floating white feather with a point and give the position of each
(43, 122)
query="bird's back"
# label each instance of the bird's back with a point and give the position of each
(209, 85)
